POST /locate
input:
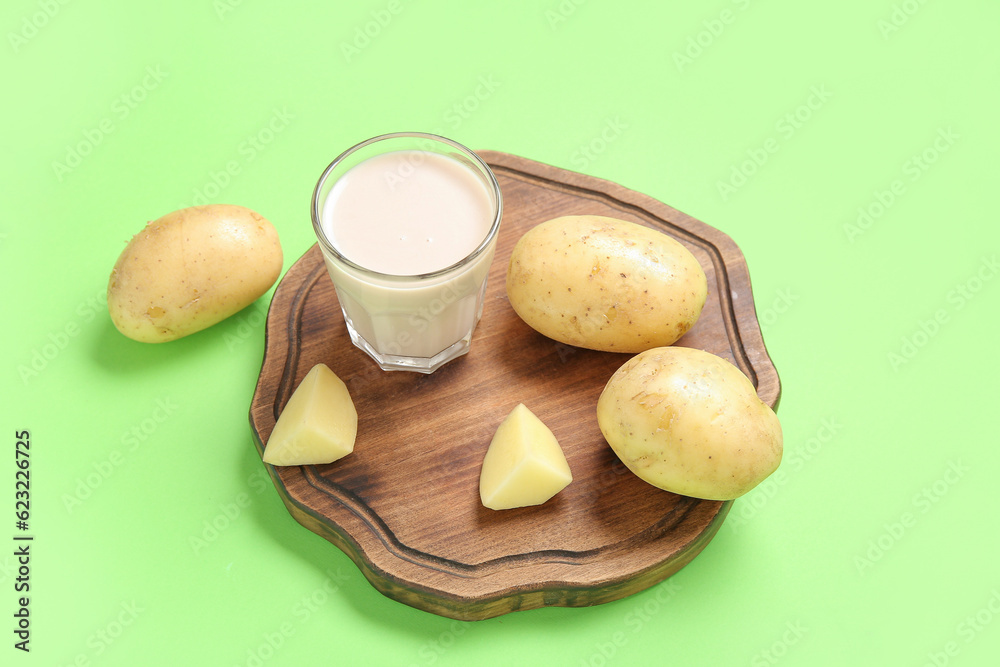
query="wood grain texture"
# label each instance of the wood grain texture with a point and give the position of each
(405, 505)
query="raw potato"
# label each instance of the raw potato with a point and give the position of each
(524, 464)
(690, 422)
(319, 423)
(191, 269)
(605, 284)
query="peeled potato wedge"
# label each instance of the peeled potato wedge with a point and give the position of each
(319, 423)
(524, 464)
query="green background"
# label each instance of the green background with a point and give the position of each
(848, 148)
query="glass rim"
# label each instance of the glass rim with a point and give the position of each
(327, 246)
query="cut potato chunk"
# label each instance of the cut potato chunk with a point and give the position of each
(318, 425)
(524, 464)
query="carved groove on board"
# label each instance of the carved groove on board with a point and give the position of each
(294, 326)
(349, 500)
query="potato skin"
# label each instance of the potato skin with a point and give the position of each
(190, 269)
(605, 284)
(690, 422)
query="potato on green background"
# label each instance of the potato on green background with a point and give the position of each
(190, 269)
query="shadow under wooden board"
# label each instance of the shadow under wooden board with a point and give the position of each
(405, 504)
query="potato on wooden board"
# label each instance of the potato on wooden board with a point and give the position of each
(191, 269)
(605, 284)
(524, 464)
(319, 423)
(690, 422)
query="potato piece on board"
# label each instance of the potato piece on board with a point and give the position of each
(319, 423)
(524, 464)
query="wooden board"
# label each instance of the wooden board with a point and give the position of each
(405, 504)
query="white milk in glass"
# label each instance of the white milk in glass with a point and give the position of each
(405, 214)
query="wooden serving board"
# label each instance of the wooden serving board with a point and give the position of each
(405, 504)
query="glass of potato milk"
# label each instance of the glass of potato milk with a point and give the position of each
(407, 224)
